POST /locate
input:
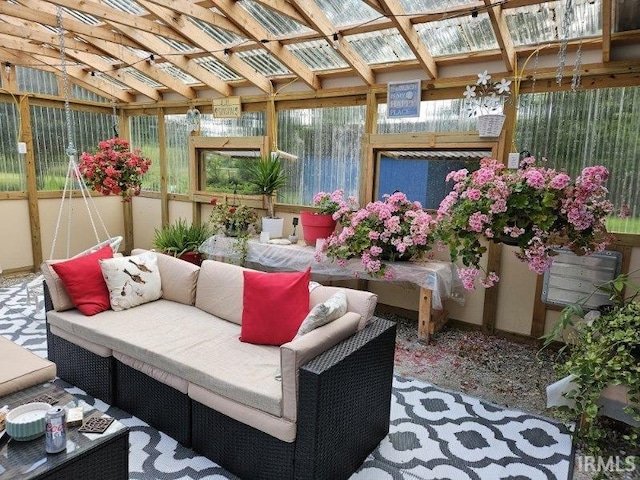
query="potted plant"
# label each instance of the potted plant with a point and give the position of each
(535, 208)
(181, 240)
(392, 229)
(601, 371)
(114, 168)
(485, 100)
(238, 221)
(322, 223)
(268, 175)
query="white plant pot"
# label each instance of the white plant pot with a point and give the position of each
(273, 226)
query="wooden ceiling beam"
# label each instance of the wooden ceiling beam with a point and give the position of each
(11, 27)
(180, 61)
(501, 31)
(117, 18)
(252, 29)
(121, 76)
(178, 21)
(140, 64)
(199, 12)
(317, 19)
(409, 33)
(32, 11)
(285, 8)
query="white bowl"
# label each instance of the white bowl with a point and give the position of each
(26, 422)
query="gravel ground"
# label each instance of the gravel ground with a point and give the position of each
(494, 369)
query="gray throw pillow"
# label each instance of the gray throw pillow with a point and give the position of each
(323, 313)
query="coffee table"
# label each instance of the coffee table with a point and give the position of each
(92, 456)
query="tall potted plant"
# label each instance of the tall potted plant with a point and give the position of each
(268, 175)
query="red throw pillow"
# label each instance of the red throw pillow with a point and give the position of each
(273, 306)
(82, 278)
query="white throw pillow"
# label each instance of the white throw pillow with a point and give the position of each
(132, 280)
(333, 308)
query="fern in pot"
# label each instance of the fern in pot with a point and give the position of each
(181, 240)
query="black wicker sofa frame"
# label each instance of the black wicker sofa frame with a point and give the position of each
(344, 402)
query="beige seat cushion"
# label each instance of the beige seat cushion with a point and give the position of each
(186, 342)
(178, 278)
(20, 368)
(220, 290)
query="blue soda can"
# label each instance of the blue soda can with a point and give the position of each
(55, 430)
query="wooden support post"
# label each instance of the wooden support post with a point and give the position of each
(429, 321)
(127, 213)
(164, 170)
(32, 187)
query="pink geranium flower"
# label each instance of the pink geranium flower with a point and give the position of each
(536, 207)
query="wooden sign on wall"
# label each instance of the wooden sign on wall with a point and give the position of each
(228, 107)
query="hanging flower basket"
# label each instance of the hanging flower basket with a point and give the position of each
(490, 126)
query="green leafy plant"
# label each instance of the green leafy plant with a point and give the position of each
(605, 351)
(268, 175)
(178, 237)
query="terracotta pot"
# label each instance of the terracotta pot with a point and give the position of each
(315, 226)
(192, 257)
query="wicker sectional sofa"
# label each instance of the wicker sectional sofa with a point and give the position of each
(312, 408)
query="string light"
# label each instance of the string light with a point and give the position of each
(152, 59)
(474, 13)
(7, 67)
(335, 43)
(227, 54)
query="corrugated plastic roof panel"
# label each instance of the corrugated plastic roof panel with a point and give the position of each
(381, 47)
(543, 23)
(112, 81)
(458, 35)
(220, 35)
(217, 68)
(83, 17)
(126, 6)
(277, 24)
(141, 77)
(318, 55)
(177, 73)
(348, 12)
(263, 62)
(428, 6)
(176, 45)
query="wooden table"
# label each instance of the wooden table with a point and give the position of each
(437, 280)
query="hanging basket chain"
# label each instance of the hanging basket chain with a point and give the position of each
(72, 170)
(71, 149)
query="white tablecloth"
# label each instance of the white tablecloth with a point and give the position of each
(439, 277)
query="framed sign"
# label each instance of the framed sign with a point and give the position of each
(228, 107)
(403, 99)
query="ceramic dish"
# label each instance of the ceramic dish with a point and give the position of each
(26, 422)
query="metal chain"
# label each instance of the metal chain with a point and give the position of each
(71, 149)
(562, 53)
(575, 81)
(116, 120)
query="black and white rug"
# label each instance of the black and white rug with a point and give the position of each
(434, 434)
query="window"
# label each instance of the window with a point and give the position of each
(225, 171)
(421, 174)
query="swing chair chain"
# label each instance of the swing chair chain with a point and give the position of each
(71, 149)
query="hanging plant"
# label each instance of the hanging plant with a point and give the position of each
(114, 169)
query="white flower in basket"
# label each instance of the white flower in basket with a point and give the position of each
(485, 100)
(485, 97)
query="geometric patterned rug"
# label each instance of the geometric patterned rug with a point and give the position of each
(434, 434)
